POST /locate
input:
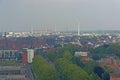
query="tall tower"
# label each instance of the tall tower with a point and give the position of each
(78, 37)
(55, 28)
(78, 29)
(31, 30)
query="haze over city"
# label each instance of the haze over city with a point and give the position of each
(22, 15)
(59, 40)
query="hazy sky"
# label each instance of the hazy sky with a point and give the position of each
(22, 15)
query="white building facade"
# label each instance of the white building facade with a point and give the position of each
(30, 55)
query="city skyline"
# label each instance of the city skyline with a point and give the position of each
(24, 15)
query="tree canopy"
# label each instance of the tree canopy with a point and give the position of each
(70, 71)
(43, 70)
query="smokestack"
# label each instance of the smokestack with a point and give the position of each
(55, 28)
(31, 30)
(78, 29)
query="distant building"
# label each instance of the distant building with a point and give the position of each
(13, 55)
(24, 58)
(114, 77)
(12, 73)
(30, 55)
(111, 59)
(78, 54)
(82, 55)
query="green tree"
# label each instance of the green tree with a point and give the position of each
(89, 66)
(42, 69)
(51, 55)
(77, 61)
(94, 77)
(69, 71)
(114, 49)
(67, 55)
(108, 69)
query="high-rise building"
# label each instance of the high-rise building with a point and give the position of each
(30, 55)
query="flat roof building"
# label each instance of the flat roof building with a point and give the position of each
(30, 55)
(10, 55)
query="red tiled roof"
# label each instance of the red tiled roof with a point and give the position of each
(114, 77)
(113, 66)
